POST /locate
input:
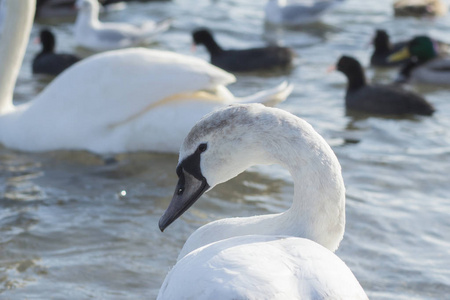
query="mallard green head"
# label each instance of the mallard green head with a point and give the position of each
(421, 47)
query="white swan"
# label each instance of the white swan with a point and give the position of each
(95, 35)
(278, 256)
(296, 12)
(124, 100)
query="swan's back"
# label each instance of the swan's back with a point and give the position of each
(261, 267)
(126, 80)
(107, 89)
(91, 104)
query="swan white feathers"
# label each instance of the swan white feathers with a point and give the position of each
(276, 256)
(261, 268)
(99, 36)
(124, 100)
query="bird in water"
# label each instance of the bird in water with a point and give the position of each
(383, 48)
(388, 100)
(47, 61)
(92, 34)
(244, 60)
(286, 255)
(425, 63)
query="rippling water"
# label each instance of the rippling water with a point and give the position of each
(75, 228)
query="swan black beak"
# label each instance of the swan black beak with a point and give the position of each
(189, 188)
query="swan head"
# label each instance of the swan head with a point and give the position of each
(221, 145)
(228, 141)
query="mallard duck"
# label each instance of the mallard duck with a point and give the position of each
(378, 99)
(383, 49)
(425, 65)
(420, 8)
(244, 60)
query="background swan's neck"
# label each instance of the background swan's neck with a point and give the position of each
(13, 43)
(92, 15)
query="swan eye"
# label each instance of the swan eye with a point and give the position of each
(202, 147)
(180, 191)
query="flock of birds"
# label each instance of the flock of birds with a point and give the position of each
(167, 94)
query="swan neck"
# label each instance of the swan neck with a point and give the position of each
(13, 43)
(318, 208)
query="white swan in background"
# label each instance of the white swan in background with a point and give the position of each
(92, 34)
(118, 101)
(296, 12)
(277, 256)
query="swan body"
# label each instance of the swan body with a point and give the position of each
(278, 256)
(92, 34)
(261, 268)
(296, 12)
(119, 101)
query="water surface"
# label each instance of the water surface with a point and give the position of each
(75, 228)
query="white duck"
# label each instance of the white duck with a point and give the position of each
(92, 34)
(278, 256)
(296, 12)
(124, 100)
